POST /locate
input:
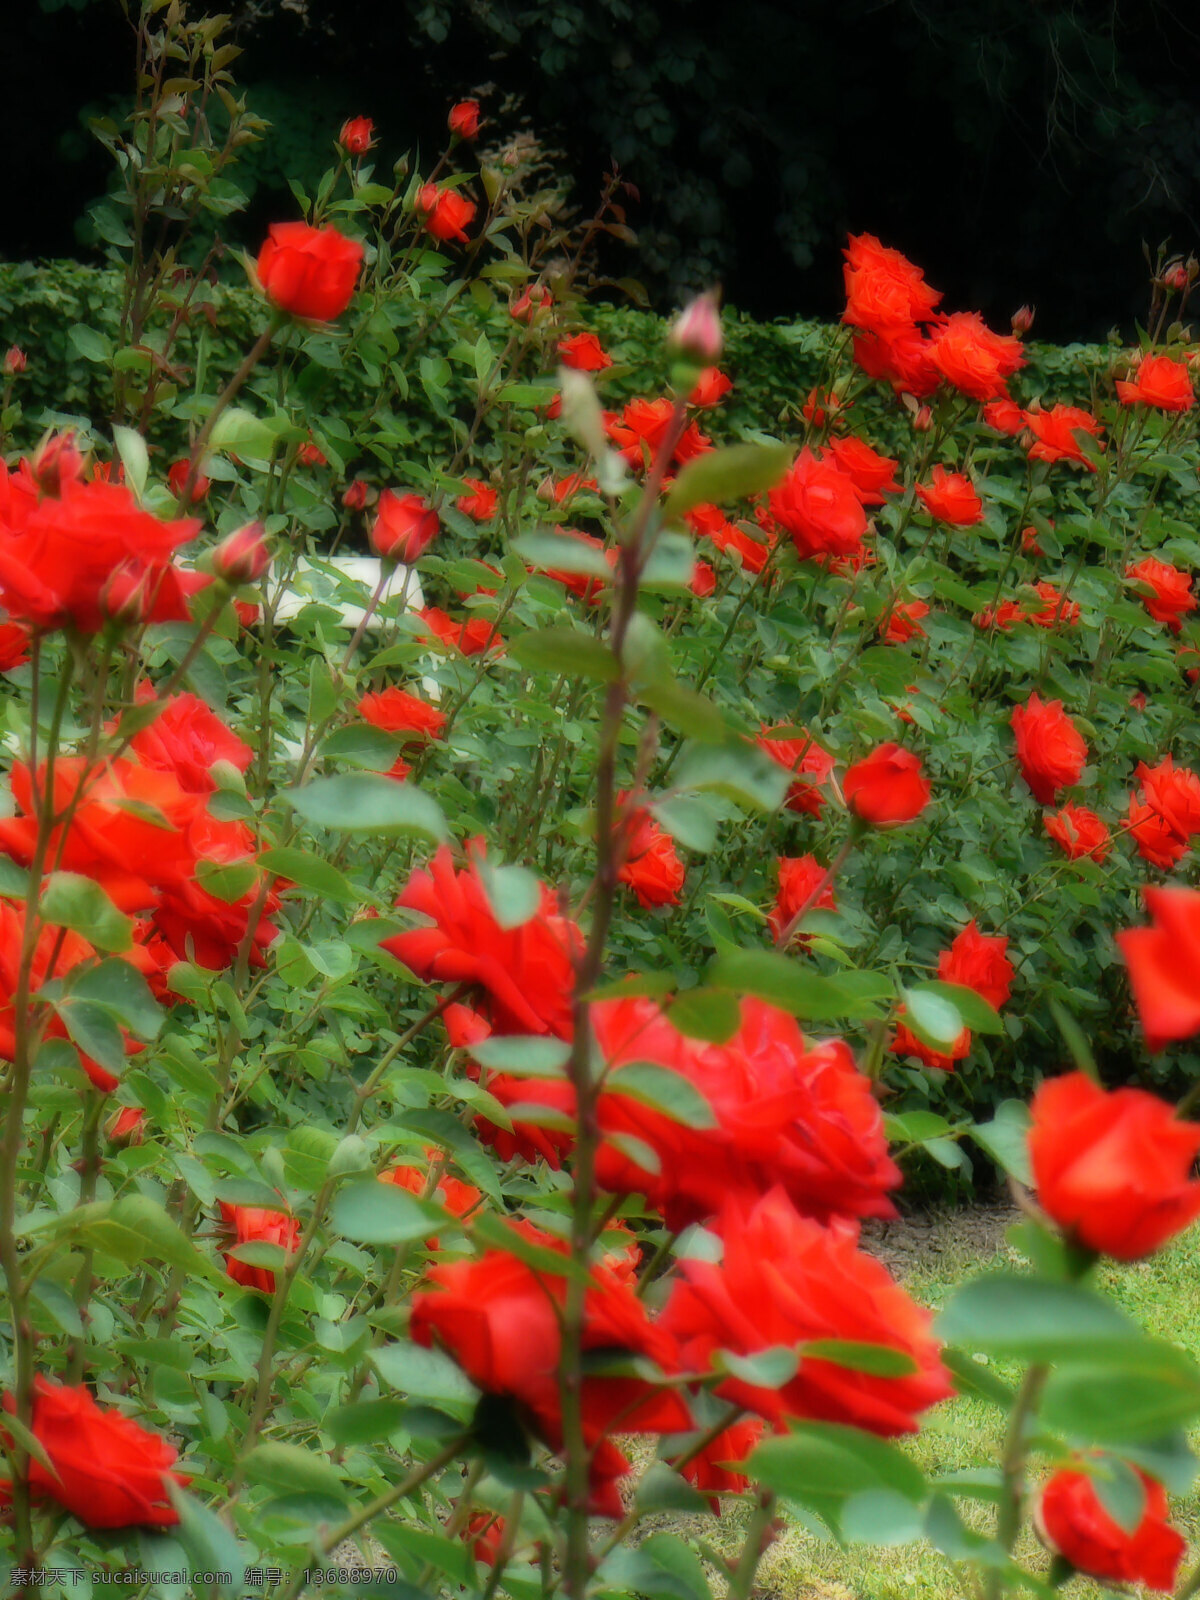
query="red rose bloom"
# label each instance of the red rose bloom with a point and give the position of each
(1157, 841)
(500, 1320)
(873, 475)
(357, 136)
(710, 388)
(902, 359)
(530, 301)
(309, 272)
(887, 788)
(470, 638)
(480, 504)
(1171, 596)
(783, 1112)
(904, 623)
(1173, 793)
(641, 429)
(1072, 1521)
(1055, 609)
(583, 352)
(14, 646)
(396, 711)
(787, 1280)
(404, 527)
(1164, 965)
(885, 292)
(463, 119)
(310, 454)
(109, 1472)
(454, 1196)
(1160, 382)
(1004, 416)
(1054, 434)
(972, 358)
(819, 505)
(445, 213)
(951, 497)
(905, 1043)
(708, 522)
(979, 961)
(1050, 749)
(651, 867)
(252, 1225)
(716, 1470)
(704, 581)
(526, 973)
(805, 758)
(187, 739)
(177, 477)
(798, 880)
(1113, 1168)
(1079, 832)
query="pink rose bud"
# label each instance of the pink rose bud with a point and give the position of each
(696, 333)
(243, 557)
(126, 1126)
(357, 136)
(15, 360)
(55, 462)
(1022, 321)
(464, 119)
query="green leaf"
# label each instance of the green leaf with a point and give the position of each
(568, 650)
(880, 1360)
(821, 1465)
(1005, 1139)
(494, 1233)
(689, 713)
(712, 1014)
(209, 1543)
(552, 552)
(739, 771)
(524, 1056)
(288, 1466)
(91, 344)
(514, 893)
(689, 819)
(243, 434)
(423, 1374)
(971, 1007)
(135, 457)
(374, 1212)
(362, 802)
(936, 1021)
(227, 881)
(361, 745)
(1075, 1040)
(1100, 1405)
(786, 983)
(308, 871)
(70, 900)
(719, 476)
(765, 1369)
(365, 1421)
(91, 1027)
(122, 991)
(662, 1090)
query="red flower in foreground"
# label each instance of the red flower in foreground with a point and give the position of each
(1113, 1168)
(500, 1320)
(819, 505)
(445, 213)
(951, 497)
(787, 1280)
(1164, 965)
(651, 867)
(357, 136)
(108, 1470)
(1079, 832)
(309, 272)
(583, 352)
(1171, 596)
(404, 527)
(1070, 1519)
(972, 358)
(887, 788)
(526, 973)
(1160, 382)
(783, 1112)
(804, 758)
(1050, 750)
(799, 877)
(1054, 434)
(253, 1225)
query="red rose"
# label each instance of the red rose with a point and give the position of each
(641, 429)
(819, 505)
(15, 361)
(1056, 608)
(787, 1280)
(1171, 596)
(59, 552)
(246, 612)
(799, 877)
(445, 213)
(972, 358)
(1050, 749)
(951, 497)
(542, 1121)
(887, 788)
(784, 1112)
(396, 711)
(1157, 841)
(309, 272)
(253, 1225)
(463, 120)
(1004, 416)
(500, 1320)
(470, 638)
(1072, 1521)
(108, 1470)
(14, 646)
(715, 1470)
(177, 478)
(404, 527)
(357, 136)
(583, 352)
(311, 455)
(530, 301)
(583, 584)
(1160, 382)
(454, 1196)
(480, 504)
(651, 867)
(885, 292)
(900, 358)
(704, 581)
(1173, 793)
(904, 623)
(127, 1126)
(1029, 542)
(1113, 1168)
(805, 758)
(54, 954)
(187, 739)
(1079, 832)
(526, 973)
(905, 1043)
(710, 388)
(354, 498)
(979, 961)
(1164, 965)
(1054, 434)
(707, 521)
(873, 475)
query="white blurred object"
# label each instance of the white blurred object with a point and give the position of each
(310, 584)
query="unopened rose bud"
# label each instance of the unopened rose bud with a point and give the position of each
(405, 527)
(355, 497)
(1175, 277)
(1022, 321)
(56, 462)
(243, 556)
(125, 597)
(177, 479)
(15, 360)
(127, 1126)
(696, 334)
(464, 119)
(529, 302)
(357, 136)
(922, 419)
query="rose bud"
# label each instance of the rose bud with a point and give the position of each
(243, 557)
(177, 479)
(404, 527)
(922, 419)
(1175, 277)
(56, 461)
(464, 119)
(1022, 320)
(357, 136)
(125, 599)
(355, 497)
(696, 334)
(15, 360)
(126, 1126)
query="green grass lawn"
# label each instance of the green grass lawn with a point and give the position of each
(1163, 1294)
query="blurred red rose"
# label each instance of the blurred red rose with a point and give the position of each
(872, 474)
(186, 739)
(819, 505)
(1164, 965)
(973, 359)
(1054, 434)
(463, 119)
(651, 866)
(799, 877)
(470, 637)
(177, 478)
(357, 136)
(255, 1225)
(904, 623)
(404, 527)
(887, 788)
(1071, 1519)
(885, 292)
(806, 759)
(480, 504)
(583, 352)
